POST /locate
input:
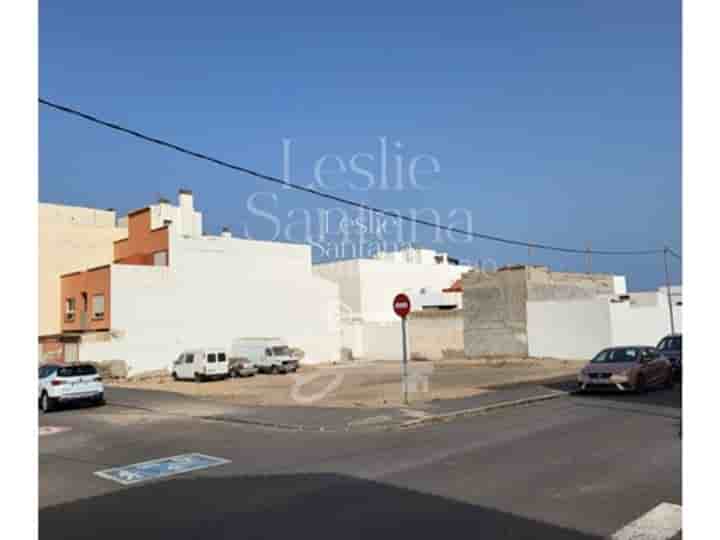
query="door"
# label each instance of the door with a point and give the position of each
(186, 368)
(71, 352)
(653, 366)
(659, 366)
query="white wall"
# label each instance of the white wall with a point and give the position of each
(371, 340)
(571, 329)
(644, 323)
(580, 329)
(215, 290)
(346, 274)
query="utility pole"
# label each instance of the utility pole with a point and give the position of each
(667, 286)
(589, 257)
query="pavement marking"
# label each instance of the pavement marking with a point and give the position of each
(160, 468)
(661, 523)
(51, 430)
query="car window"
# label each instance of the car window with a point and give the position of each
(42, 371)
(221, 357)
(188, 358)
(616, 355)
(268, 352)
(211, 358)
(281, 351)
(76, 371)
(671, 344)
(179, 359)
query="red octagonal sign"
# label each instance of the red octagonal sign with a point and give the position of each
(401, 305)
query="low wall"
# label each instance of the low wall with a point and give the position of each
(435, 335)
(431, 335)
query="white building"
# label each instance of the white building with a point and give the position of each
(368, 286)
(171, 288)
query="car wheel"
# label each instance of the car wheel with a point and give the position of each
(640, 387)
(100, 400)
(670, 380)
(274, 370)
(46, 403)
(198, 377)
(174, 376)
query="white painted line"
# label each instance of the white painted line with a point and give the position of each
(51, 430)
(661, 523)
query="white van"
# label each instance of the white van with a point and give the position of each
(268, 355)
(201, 365)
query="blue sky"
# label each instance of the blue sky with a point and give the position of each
(556, 122)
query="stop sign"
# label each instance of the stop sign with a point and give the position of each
(401, 305)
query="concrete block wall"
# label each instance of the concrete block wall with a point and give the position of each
(494, 313)
(496, 306)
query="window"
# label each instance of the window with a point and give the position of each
(221, 357)
(179, 360)
(160, 258)
(69, 309)
(188, 358)
(268, 352)
(98, 306)
(211, 358)
(283, 350)
(76, 371)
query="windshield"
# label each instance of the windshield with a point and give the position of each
(76, 371)
(671, 344)
(630, 354)
(283, 350)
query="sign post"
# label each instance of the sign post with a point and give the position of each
(401, 306)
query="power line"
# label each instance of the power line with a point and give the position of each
(335, 198)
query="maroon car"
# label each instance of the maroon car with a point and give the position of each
(634, 368)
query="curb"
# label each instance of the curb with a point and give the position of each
(481, 410)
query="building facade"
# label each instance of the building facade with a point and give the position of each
(367, 287)
(169, 288)
(69, 237)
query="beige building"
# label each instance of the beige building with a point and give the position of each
(71, 238)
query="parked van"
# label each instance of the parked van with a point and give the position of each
(268, 355)
(201, 365)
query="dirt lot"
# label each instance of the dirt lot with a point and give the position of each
(375, 384)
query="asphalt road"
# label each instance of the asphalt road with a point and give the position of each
(574, 467)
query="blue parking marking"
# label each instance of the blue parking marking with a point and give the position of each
(160, 468)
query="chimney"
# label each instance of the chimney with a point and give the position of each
(226, 232)
(186, 211)
(185, 199)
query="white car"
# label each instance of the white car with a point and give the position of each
(63, 383)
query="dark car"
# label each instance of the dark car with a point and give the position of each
(633, 368)
(671, 348)
(241, 367)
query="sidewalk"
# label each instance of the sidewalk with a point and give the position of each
(299, 417)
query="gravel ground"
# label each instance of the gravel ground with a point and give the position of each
(367, 384)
